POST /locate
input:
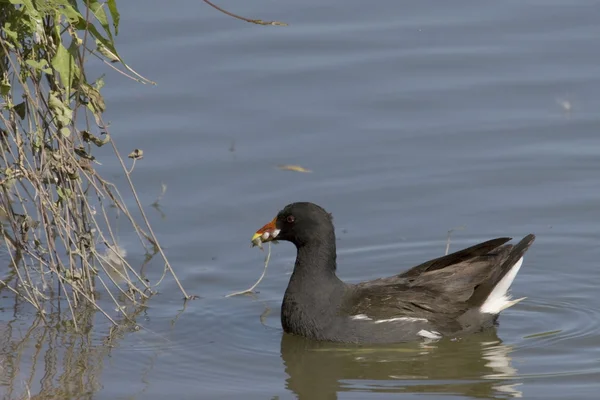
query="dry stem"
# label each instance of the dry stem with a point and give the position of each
(250, 290)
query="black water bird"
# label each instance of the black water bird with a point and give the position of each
(449, 296)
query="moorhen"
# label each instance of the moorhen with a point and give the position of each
(450, 296)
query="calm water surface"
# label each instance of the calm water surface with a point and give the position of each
(415, 118)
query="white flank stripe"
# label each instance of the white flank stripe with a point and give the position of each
(499, 299)
(429, 334)
(407, 319)
(364, 317)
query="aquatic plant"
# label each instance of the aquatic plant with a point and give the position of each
(57, 211)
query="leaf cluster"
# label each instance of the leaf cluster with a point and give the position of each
(56, 210)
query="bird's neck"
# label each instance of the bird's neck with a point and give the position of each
(317, 258)
(314, 292)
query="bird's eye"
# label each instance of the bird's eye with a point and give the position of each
(290, 219)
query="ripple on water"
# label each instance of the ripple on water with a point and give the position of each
(224, 345)
(218, 343)
(563, 338)
(555, 332)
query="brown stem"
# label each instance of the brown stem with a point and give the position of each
(253, 21)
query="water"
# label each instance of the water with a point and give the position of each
(415, 118)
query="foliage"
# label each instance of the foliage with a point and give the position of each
(55, 208)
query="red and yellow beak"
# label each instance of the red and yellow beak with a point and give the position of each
(267, 233)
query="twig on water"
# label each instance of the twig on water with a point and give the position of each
(460, 228)
(251, 288)
(156, 204)
(163, 190)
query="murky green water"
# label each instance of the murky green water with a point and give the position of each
(415, 119)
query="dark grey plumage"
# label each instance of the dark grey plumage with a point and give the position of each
(441, 297)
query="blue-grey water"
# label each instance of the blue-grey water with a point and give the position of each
(415, 118)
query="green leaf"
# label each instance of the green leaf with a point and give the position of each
(74, 49)
(97, 9)
(99, 83)
(95, 100)
(64, 120)
(80, 151)
(99, 38)
(72, 14)
(5, 87)
(62, 112)
(37, 139)
(136, 154)
(55, 103)
(61, 193)
(66, 132)
(10, 33)
(106, 52)
(30, 9)
(114, 13)
(88, 137)
(41, 65)
(64, 64)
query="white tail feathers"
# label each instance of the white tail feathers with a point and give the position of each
(499, 298)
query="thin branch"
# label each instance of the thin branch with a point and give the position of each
(251, 288)
(253, 21)
(143, 214)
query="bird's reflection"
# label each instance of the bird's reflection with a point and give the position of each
(478, 366)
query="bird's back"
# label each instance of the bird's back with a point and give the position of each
(460, 292)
